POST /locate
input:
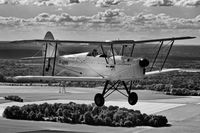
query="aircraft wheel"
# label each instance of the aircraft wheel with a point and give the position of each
(99, 100)
(132, 98)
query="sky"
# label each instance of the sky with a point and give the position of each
(100, 19)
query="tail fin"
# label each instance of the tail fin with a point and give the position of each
(49, 48)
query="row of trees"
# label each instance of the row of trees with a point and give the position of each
(84, 114)
(174, 83)
(170, 90)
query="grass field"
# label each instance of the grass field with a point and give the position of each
(181, 117)
(39, 93)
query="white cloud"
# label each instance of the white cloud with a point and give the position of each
(61, 3)
(107, 3)
(42, 2)
(163, 21)
(104, 3)
(188, 3)
(159, 2)
(108, 20)
(183, 3)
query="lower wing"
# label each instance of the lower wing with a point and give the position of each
(69, 78)
(171, 70)
(57, 78)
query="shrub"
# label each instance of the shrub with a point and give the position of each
(31, 116)
(128, 123)
(24, 114)
(162, 120)
(39, 116)
(81, 119)
(110, 108)
(13, 112)
(119, 115)
(46, 112)
(14, 98)
(109, 114)
(157, 120)
(96, 110)
(2, 78)
(89, 114)
(59, 112)
(83, 108)
(66, 115)
(88, 119)
(108, 121)
(98, 120)
(75, 117)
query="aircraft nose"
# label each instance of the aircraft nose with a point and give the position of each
(143, 62)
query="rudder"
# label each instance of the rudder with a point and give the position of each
(49, 47)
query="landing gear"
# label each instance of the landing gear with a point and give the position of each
(99, 98)
(132, 98)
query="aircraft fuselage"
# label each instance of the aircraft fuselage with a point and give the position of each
(126, 68)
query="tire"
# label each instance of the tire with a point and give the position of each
(99, 100)
(132, 98)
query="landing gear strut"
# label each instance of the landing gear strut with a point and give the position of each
(99, 98)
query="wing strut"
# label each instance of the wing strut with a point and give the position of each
(123, 49)
(45, 54)
(172, 42)
(156, 55)
(104, 54)
(113, 53)
(54, 62)
(132, 49)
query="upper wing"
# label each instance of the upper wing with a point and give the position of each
(95, 42)
(165, 39)
(58, 78)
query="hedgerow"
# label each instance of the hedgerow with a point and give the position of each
(84, 114)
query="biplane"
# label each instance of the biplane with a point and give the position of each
(116, 68)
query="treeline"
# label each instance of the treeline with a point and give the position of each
(10, 68)
(174, 83)
(84, 114)
(170, 90)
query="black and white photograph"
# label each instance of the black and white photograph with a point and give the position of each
(93, 66)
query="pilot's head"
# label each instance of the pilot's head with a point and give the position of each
(94, 52)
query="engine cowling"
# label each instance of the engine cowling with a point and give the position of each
(143, 62)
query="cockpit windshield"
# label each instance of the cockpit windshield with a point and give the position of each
(109, 51)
